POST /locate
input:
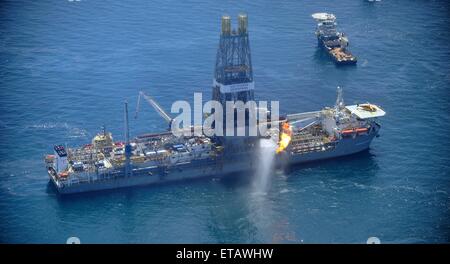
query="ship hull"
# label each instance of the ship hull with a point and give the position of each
(160, 175)
(345, 146)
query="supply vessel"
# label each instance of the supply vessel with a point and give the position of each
(162, 157)
(333, 42)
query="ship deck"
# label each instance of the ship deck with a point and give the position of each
(342, 56)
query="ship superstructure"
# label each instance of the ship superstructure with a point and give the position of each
(335, 43)
(161, 157)
(333, 131)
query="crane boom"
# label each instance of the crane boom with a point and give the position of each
(154, 104)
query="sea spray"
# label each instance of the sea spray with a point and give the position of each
(265, 159)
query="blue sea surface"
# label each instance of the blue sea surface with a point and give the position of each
(66, 68)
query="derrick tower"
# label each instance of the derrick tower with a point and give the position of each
(233, 79)
(233, 75)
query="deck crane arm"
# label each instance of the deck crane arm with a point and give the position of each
(154, 104)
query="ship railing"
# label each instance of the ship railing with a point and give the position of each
(88, 177)
(306, 138)
(308, 149)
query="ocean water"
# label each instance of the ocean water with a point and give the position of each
(67, 66)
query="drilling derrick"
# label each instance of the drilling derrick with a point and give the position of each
(233, 79)
(233, 76)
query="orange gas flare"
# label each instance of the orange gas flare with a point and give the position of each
(285, 137)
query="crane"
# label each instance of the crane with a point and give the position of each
(155, 105)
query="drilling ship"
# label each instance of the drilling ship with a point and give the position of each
(335, 43)
(163, 157)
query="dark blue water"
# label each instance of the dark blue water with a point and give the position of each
(67, 66)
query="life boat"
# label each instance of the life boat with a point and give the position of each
(347, 132)
(64, 174)
(49, 158)
(359, 130)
